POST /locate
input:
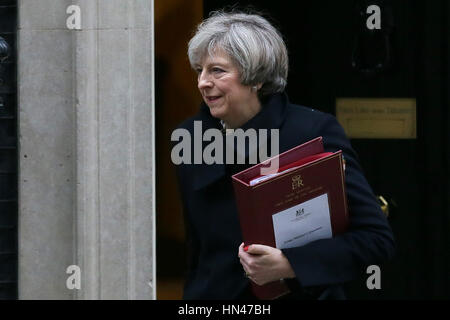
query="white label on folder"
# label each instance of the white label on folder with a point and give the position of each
(264, 178)
(303, 223)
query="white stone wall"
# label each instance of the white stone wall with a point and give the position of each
(86, 135)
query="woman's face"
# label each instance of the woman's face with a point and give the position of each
(220, 86)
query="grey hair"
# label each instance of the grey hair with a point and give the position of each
(254, 45)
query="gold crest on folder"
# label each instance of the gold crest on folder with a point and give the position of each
(297, 182)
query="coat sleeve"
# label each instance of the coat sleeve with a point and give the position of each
(369, 239)
(192, 247)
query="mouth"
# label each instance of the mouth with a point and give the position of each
(212, 98)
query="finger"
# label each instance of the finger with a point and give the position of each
(246, 270)
(259, 249)
(241, 250)
(244, 264)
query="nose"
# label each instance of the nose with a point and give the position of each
(204, 81)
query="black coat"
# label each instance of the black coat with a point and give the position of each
(211, 217)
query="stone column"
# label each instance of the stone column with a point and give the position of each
(86, 183)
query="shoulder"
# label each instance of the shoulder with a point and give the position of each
(305, 114)
(309, 120)
(202, 121)
(188, 124)
(309, 123)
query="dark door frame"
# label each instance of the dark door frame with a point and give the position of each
(8, 153)
(422, 38)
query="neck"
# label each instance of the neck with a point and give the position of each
(248, 112)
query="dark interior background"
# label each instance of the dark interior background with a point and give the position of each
(8, 153)
(412, 174)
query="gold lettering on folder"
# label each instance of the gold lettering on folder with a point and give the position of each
(377, 118)
(297, 182)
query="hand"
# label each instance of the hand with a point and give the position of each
(264, 264)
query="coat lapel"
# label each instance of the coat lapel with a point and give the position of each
(271, 116)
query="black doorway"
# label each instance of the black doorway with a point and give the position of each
(8, 150)
(412, 174)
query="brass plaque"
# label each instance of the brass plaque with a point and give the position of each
(377, 118)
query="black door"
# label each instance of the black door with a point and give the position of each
(8, 150)
(412, 174)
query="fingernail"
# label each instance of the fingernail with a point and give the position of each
(245, 248)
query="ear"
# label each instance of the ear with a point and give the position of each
(256, 87)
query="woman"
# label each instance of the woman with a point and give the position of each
(242, 66)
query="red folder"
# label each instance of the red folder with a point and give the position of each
(305, 172)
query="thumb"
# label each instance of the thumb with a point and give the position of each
(258, 249)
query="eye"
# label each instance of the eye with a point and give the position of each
(217, 70)
(198, 70)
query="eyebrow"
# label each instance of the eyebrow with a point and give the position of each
(222, 64)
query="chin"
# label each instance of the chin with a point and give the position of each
(217, 112)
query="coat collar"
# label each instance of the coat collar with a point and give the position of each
(271, 116)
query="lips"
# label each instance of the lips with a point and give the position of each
(212, 98)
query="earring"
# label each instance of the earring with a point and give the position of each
(254, 88)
